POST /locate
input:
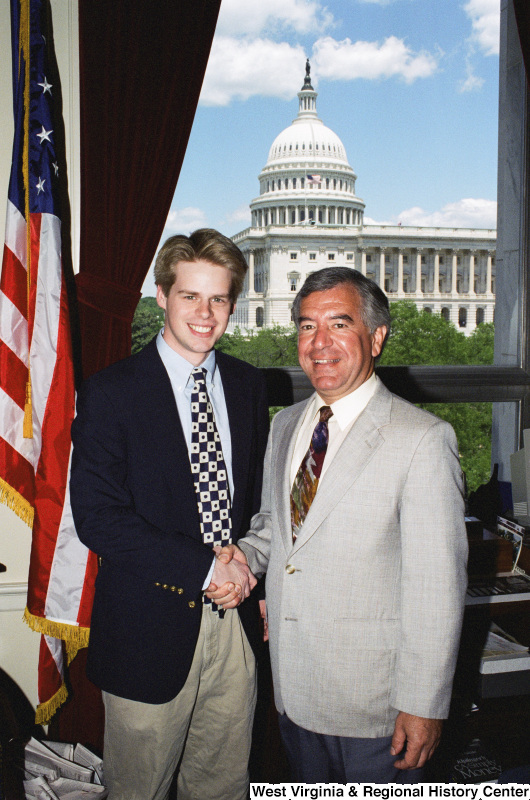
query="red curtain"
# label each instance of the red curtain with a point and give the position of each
(141, 69)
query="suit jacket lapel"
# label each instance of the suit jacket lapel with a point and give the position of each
(356, 451)
(283, 456)
(156, 398)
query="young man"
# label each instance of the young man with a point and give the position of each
(167, 464)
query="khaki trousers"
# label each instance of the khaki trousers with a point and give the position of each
(209, 724)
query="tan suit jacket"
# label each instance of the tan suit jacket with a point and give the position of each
(365, 609)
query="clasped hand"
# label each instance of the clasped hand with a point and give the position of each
(232, 581)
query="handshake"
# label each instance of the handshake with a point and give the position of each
(232, 581)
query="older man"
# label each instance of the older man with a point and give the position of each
(361, 532)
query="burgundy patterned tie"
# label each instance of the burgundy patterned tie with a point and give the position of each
(306, 480)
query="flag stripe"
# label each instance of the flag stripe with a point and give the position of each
(19, 466)
(13, 329)
(13, 282)
(13, 374)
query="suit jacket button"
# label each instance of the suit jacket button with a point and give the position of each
(165, 586)
(173, 588)
(191, 603)
(290, 569)
(180, 591)
(158, 584)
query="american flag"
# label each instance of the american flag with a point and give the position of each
(37, 396)
(314, 179)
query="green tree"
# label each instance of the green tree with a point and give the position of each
(147, 321)
(268, 347)
(418, 337)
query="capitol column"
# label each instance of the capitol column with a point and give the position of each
(251, 272)
(418, 271)
(436, 286)
(363, 262)
(489, 275)
(400, 273)
(472, 273)
(454, 274)
(382, 269)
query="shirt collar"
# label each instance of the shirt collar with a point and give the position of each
(179, 369)
(349, 407)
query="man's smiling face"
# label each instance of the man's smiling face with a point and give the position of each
(335, 348)
(197, 308)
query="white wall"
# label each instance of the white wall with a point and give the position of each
(18, 644)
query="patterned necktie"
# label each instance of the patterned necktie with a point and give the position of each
(306, 480)
(208, 467)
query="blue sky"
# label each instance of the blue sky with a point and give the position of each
(410, 86)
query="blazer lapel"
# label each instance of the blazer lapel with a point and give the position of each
(282, 457)
(159, 408)
(356, 451)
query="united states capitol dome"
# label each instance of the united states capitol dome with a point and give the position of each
(307, 135)
(307, 178)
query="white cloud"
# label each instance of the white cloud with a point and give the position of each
(485, 22)
(471, 83)
(183, 220)
(239, 69)
(466, 213)
(254, 17)
(241, 214)
(347, 60)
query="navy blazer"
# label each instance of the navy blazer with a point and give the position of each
(134, 504)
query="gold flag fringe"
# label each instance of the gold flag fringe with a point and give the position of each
(75, 638)
(45, 711)
(13, 500)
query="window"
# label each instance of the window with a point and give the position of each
(312, 256)
(445, 313)
(259, 317)
(349, 256)
(293, 256)
(331, 256)
(462, 317)
(479, 316)
(293, 278)
(369, 258)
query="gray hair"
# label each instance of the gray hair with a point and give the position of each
(375, 310)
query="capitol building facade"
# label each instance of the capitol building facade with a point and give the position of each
(308, 216)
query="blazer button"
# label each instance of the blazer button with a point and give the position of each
(158, 584)
(165, 586)
(173, 588)
(191, 603)
(180, 591)
(290, 569)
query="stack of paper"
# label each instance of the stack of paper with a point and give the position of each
(57, 771)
